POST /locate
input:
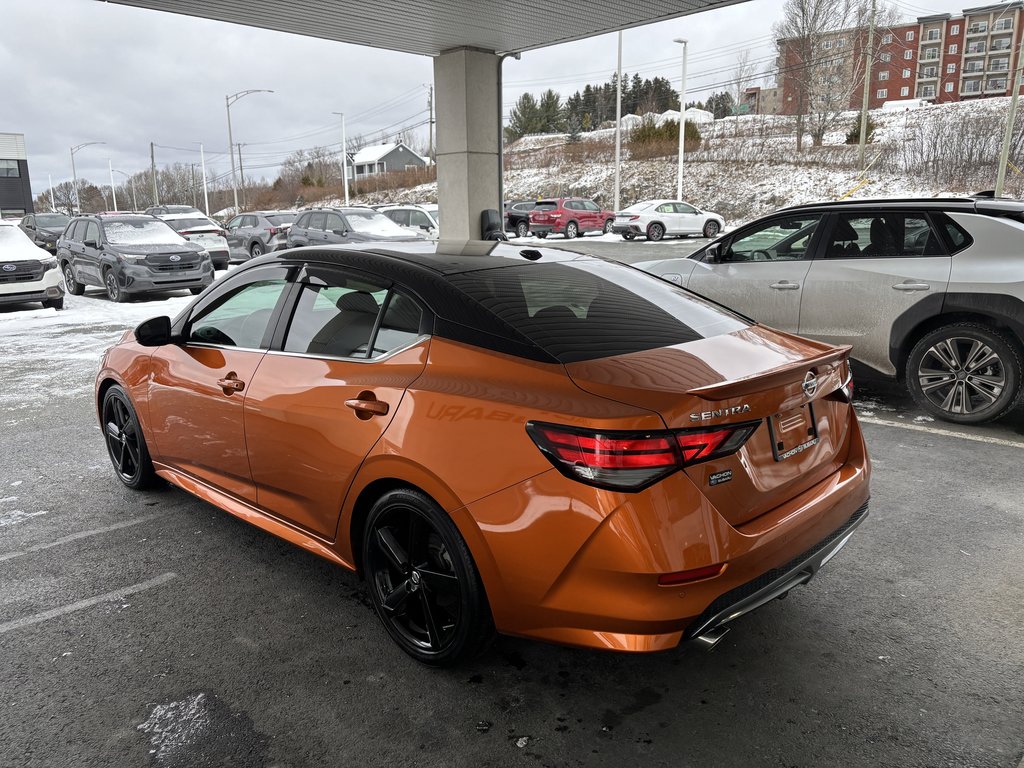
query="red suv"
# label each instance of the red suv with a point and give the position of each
(569, 216)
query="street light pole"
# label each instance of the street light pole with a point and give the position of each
(228, 101)
(618, 123)
(131, 183)
(344, 155)
(682, 122)
(74, 173)
(206, 194)
(113, 192)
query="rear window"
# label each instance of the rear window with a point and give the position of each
(591, 309)
(180, 224)
(546, 205)
(277, 219)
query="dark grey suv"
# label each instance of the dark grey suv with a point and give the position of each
(258, 232)
(324, 226)
(130, 254)
(45, 228)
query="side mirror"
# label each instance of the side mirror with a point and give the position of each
(491, 227)
(713, 255)
(90, 244)
(342, 232)
(155, 332)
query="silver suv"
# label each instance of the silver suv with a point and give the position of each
(930, 292)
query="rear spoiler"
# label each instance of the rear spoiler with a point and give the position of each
(726, 390)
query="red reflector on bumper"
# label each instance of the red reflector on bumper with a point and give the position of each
(695, 574)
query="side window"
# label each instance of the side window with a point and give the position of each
(302, 222)
(590, 205)
(73, 231)
(241, 319)
(334, 222)
(419, 219)
(784, 239)
(317, 221)
(956, 236)
(883, 235)
(248, 221)
(399, 217)
(92, 232)
(665, 208)
(684, 208)
(235, 222)
(335, 316)
(400, 325)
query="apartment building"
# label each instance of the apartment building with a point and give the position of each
(941, 58)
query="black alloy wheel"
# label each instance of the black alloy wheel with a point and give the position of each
(711, 228)
(423, 582)
(125, 442)
(256, 249)
(522, 229)
(966, 373)
(114, 291)
(655, 232)
(74, 287)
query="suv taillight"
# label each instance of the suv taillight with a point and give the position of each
(274, 231)
(632, 461)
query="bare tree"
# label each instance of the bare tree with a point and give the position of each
(743, 75)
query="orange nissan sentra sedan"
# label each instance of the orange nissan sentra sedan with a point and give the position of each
(534, 442)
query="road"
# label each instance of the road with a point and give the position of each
(152, 629)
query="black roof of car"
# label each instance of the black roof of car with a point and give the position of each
(970, 204)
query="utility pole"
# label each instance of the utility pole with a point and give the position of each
(344, 155)
(192, 168)
(206, 195)
(868, 57)
(152, 172)
(53, 205)
(241, 173)
(1004, 153)
(682, 122)
(618, 123)
(113, 192)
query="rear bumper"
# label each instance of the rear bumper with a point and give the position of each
(625, 229)
(544, 229)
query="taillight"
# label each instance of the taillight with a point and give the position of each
(634, 218)
(274, 231)
(222, 232)
(632, 461)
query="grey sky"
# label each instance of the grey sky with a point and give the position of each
(79, 70)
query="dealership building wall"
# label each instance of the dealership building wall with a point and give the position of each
(15, 188)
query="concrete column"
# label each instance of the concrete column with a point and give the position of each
(468, 101)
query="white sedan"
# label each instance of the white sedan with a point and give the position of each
(655, 219)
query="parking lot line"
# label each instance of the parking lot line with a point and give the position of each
(77, 536)
(117, 594)
(939, 431)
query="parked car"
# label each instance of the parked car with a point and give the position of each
(160, 210)
(322, 226)
(128, 255)
(205, 232)
(44, 228)
(27, 273)
(556, 447)
(655, 219)
(414, 218)
(517, 216)
(252, 234)
(927, 291)
(569, 216)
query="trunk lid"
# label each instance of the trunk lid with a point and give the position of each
(791, 387)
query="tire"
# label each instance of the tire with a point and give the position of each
(126, 445)
(74, 287)
(542, 235)
(572, 230)
(196, 291)
(522, 229)
(711, 228)
(114, 292)
(441, 619)
(256, 250)
(629, 235)
(57, 304)
(655, 232)
(967, 373)
(608, 226)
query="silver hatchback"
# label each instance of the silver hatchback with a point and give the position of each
(930, 292)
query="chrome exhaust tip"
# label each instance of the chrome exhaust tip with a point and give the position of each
(711, 638)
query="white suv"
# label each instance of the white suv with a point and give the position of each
(27, 272)
(930, 292)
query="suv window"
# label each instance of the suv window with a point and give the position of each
(235, 222)
(783, 239)
(316, 221)
(399, 217)
(92, 232)
(546, 205)
(883, 235)
(76, 231)
(241, 319)
(334, 222)
(589, 310)
(419, 219)
(590, 205)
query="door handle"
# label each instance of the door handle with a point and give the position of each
(785, 285)
(367, 406)
(908, 286)
(231, 383)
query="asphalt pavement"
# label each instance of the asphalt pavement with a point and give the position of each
(151, 629)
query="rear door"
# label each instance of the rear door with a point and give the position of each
(874, 267)
(329, 394)
(761, 269)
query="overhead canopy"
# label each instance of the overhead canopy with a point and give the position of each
(429, 27)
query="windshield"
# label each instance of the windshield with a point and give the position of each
(181, 224)
(373, 223)
(52, 220)
(277, 219)
(141, 232)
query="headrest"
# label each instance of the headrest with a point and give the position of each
(358, 301)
